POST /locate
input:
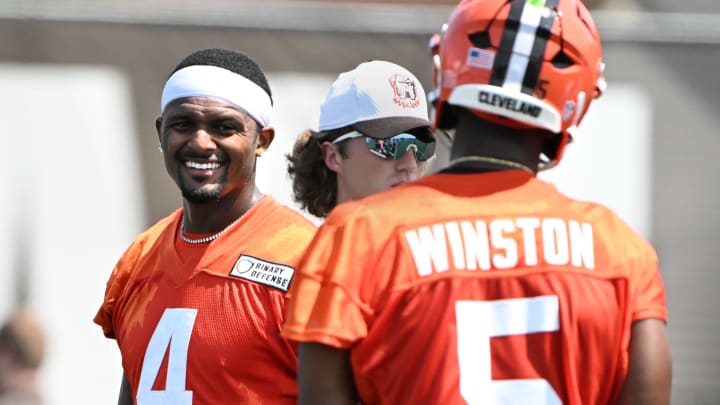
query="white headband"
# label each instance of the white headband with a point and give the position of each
(213, 81)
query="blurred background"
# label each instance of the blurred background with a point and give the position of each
(80, 84)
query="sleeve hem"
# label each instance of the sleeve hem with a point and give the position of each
(656, 313)
(322, 337)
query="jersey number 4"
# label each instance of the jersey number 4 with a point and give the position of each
(477, 322)
(172, 331)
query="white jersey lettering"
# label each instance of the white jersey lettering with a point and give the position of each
(503, 243)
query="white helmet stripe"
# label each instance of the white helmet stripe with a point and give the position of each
(522, 48)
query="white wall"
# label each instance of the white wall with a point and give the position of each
(610, 160)
(72, 185)
(297, 98)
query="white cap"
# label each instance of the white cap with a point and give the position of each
(377, 98)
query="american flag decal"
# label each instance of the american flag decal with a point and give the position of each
(480, 58)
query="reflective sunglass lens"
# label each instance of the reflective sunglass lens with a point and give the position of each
(396, 146)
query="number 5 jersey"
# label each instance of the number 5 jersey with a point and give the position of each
(490, 288)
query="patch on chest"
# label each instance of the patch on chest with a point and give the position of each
(263, 272)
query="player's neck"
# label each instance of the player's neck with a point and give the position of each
(343, 193)
(475, 137)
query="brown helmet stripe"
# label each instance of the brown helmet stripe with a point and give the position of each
(502, 59)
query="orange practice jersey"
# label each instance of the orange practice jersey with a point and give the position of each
(485, 288)
(200, 324)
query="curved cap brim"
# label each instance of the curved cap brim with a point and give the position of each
(383, 128)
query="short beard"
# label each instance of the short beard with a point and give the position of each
(202, 196)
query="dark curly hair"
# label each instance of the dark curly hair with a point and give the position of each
(314, 184)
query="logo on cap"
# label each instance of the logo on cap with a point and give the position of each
(405, 91)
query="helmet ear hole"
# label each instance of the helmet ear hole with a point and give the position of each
(562, 60)
(480, 39)
(551, 146)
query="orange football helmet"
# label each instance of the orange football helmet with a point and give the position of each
(519, 63)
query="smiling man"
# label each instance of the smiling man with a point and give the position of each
(196, 302)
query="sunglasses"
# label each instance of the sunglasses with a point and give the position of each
(394, 147)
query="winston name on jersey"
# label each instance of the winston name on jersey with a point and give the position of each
(501, 244)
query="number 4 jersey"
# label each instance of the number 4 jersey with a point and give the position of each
(489, 288)
(200, 324)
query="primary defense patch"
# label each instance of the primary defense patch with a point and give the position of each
(263, 272)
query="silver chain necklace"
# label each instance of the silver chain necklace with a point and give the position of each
(205, 239)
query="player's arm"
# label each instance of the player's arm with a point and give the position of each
(325, 376)
(125, 397)
(650, 372)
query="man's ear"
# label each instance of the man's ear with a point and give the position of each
(264, 139)
(158, 127)
(331, 156)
